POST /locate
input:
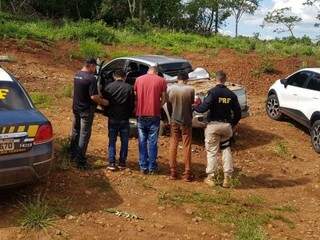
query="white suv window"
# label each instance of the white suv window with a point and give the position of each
(299, 79)
(314, 83)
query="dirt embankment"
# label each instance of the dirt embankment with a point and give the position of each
(278, 172)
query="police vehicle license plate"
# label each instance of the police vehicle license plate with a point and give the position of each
(6, 146)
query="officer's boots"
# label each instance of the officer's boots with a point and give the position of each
(227, 181)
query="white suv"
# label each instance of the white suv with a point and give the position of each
(298, 97)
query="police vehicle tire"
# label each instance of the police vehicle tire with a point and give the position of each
(315, 136)
(273, 107)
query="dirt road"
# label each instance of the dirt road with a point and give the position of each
(276, 193)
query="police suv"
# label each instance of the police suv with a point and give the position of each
(26, 146)
(298, 97)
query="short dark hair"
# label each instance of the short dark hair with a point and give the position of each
(221, 76)
(119, 74)
(91, 61)
(183, 76)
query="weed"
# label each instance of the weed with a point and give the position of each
(36, 214)
(64, 153)
(286, 208)
(179, 197)
(66, 91)
(254, 200)
(281, 149)
(60, 207)
(122, 53)
(41, 100)
(88, 48)
(266, 67)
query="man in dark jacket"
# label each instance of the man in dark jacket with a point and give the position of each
(85, 100)
(224, 114)
(121, 97)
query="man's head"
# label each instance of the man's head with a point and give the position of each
(183, 77)
(153, 70)
(221, 77)
(119, 75)
(91, 65)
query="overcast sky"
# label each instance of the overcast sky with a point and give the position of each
(250, 24)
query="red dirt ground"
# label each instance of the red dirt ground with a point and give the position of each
(273, 178)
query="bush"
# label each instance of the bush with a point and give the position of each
(87, 49)
(41, 100)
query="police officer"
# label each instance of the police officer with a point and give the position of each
(224, 114)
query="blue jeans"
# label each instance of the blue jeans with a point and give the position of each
(148, 130)
(116, 128)
(81, 133)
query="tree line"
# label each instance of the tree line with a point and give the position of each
(199, 16)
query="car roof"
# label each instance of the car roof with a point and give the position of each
(4, 76)
(316, 70)
(154, 60)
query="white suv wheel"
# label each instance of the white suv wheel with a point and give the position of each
(273, 107)
(315, 136)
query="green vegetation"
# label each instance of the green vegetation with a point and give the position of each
(281, 149)
(247, 216)
(36, 214)
(63, 153)
(41, 100)
(91, 35)
(88, 48)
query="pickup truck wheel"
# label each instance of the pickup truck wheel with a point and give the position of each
(273, 107)
(315, 136)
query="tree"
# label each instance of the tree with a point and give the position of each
(206, 16)
(315, 3)
(281, 17)
(240, 7)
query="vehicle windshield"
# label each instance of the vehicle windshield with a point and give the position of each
(173, 69)
(12, 97)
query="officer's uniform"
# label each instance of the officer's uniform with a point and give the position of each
(224, 113)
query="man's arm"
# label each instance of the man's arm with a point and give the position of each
(164, 95)
(236, 111)
(100, 100)
(205, 105)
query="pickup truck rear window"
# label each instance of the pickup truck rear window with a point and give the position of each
(172, 69)
(12, 97)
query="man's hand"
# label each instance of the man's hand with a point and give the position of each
(99, 100)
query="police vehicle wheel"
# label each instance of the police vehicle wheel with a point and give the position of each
(273, 107)
(315, 136)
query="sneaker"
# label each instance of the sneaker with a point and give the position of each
(112, 167)
(173, 176)
(153, 172)
(188, 177)
(227, 182)
(122, 167)
(209, 180)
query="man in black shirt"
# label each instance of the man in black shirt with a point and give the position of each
(85, 100)
(224, 114)
(121, 97)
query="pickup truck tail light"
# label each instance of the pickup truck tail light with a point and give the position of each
(44, 134)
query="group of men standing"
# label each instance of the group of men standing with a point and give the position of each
(150, 92)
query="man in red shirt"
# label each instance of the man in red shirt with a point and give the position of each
(151, 95)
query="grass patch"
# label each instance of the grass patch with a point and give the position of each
(247, 216)
(63, 152)
(36, 214)
(41, 100)
(281, 149)
(122, 53)
(180, 197)
(286, 208)
(88, 48)
(66, 91)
